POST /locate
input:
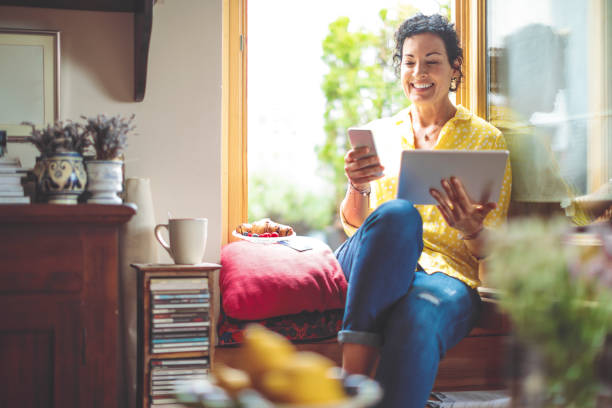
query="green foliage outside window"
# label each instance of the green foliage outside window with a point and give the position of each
(275, 197)
(360, 86)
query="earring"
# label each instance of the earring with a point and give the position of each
(453, 84)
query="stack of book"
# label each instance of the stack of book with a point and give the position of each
(179, 315)
(11, 190)
(169, 374)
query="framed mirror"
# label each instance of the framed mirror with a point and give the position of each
(29, 80)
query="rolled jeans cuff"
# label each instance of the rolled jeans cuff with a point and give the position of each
(359, 337)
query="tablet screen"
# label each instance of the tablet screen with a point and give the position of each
(480, 171)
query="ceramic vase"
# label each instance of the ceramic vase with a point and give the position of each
(105, 181)
(137, 244)
(62, 178)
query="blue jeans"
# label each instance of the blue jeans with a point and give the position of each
(413, 317)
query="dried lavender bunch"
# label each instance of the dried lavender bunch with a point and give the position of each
(109, 134)
(59, 138)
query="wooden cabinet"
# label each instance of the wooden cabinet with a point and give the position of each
(198, 360)
(59, 305)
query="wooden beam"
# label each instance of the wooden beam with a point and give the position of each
(143, 22)
(94, 5)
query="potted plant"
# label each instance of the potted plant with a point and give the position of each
(60, 174)
(108, 136)
(556, 286)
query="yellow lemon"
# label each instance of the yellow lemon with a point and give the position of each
(263, 350)
(304, 379)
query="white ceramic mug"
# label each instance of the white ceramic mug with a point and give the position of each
(187, 239)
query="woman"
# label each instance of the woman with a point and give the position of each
(413, 270)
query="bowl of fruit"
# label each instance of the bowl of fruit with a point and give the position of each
(271, 373)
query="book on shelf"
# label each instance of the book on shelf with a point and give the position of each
(6, 161)
(180, 305)
(179, 310)
(164, 389)
(174, 379)
(201, 295)
(193, 337)
(15, 193)
(179, 375)
(11, 177)
(9, 164)
(186, 319)
(172, 385)
(14, 200)
(178, 317)
(181, 324)
(180, 344)
(166, 392)
(11, 188)
(179, 362)
(179, 329)
(181, 315)
(170, 380)
(179, 349)
(177, 372)
(161, 378)
(167, 383)
(181, 335)
(181, 291)
(165, 379)
(164, 399)
(165, 284)
(194, 301)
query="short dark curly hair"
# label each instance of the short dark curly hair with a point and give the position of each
(435, 24)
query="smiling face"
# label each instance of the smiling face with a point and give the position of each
(425, 71)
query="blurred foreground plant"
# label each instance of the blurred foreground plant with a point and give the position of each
(558, 294)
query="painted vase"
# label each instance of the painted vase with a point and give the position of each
(105, 181)
(62, 178)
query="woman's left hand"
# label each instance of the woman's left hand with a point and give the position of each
(458, 209)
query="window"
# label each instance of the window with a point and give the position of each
(296, 122)
(574, 142)
(549, 92)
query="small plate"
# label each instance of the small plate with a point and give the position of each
(262, 240)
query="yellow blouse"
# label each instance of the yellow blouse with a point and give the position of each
(443, 250)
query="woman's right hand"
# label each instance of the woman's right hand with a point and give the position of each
(360, 167)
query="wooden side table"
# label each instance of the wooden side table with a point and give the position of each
(173, 276)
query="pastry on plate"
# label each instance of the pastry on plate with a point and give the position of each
(265, 226)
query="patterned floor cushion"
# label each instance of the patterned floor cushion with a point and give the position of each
(303, 327)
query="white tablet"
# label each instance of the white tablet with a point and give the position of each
(480, 171)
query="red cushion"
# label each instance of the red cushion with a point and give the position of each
(259, 281)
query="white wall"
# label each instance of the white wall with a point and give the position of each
(178, 145)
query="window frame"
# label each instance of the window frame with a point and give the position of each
(234, 169)
(472, 94)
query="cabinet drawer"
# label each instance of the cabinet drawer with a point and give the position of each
(40, 260)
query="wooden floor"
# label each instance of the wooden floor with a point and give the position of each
(476, 363)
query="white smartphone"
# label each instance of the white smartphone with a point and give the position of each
(363, 137)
